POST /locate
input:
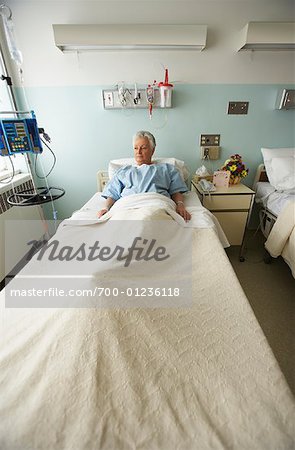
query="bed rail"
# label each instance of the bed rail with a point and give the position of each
(102, 177)
(260, 175)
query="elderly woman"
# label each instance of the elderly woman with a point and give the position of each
(146, 176)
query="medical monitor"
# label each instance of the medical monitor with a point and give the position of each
(19, 136)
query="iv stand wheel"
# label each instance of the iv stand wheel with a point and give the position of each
(35, 196)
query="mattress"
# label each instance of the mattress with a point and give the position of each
(273, 200)
(201, 376)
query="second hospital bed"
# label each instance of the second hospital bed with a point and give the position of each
(277, 218)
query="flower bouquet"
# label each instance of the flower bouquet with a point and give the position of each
(236, 167)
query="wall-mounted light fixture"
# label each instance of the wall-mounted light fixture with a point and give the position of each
(267, 36)
(69, 38)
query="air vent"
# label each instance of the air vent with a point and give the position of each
(4, 205)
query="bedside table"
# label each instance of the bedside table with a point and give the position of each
(232, 207)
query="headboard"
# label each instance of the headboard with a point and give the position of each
(260, 175)
(102, 177)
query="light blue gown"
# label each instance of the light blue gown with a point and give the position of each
(162, 178)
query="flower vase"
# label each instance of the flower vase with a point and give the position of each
(234, 180)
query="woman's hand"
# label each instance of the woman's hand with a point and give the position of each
(102, 212)
(108, 204)
(180, 209)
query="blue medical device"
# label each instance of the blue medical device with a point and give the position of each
(19, 136)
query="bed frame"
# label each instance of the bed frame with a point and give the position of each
(102, 177)
(266, 217)
(260, 175)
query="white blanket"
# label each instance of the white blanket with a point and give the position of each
(201, 377)
(273, 200)
(148, 206)
(192, 377)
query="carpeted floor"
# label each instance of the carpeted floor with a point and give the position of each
(270, 289)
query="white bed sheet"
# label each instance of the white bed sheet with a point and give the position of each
(273, 200)
(97, 202)
(160, 378)
(149, 203)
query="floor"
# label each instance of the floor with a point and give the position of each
(270, 289)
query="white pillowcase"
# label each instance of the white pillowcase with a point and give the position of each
(280, 167)
(116, 164)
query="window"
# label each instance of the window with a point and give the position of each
(3, 165)
(6, 104)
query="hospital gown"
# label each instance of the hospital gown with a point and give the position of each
(162, 178)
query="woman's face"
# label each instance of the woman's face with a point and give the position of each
(142, 151)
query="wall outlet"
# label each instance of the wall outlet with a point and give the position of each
(210, 152)
(238, 108)
(108, 98)
(209, 140)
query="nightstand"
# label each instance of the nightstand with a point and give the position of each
(232, 207)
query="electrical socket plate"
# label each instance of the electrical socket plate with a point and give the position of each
(108, 98)
(209, 140)
(238, 108)
(210, 152)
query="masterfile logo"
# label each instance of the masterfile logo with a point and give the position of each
(114, 264)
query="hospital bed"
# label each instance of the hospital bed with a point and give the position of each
(170, 377)
(276, 215)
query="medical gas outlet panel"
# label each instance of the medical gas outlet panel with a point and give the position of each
(134, 99)
(19, 136)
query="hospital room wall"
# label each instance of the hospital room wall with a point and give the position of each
(65, 90)
(85, 136)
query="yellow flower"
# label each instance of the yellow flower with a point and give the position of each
(233, 168)
(244, 173)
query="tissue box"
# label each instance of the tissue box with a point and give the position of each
(221, 178)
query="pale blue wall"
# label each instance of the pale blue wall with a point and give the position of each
(85, 136)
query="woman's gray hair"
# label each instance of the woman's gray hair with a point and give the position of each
(145, 134)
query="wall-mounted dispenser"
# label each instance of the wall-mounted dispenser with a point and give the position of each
(166, 91)
(286, 99)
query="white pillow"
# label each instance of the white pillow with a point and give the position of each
(116, 164)
(280, 167)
